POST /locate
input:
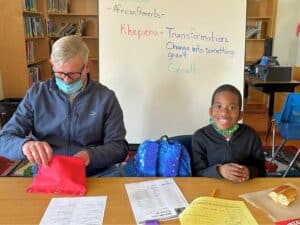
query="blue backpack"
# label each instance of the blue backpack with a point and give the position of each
(164, 158)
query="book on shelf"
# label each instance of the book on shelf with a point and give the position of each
(58, 6)
(257, 30)
(71, 29)
(68, 29)
(59, 30)
(64, 29)
(251, 31)
(30, 5)
(29, 52)
(81, 27)
(33, 26)
(49, 27)
(261, 29)
(34, 74)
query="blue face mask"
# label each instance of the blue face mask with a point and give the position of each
(71, 88)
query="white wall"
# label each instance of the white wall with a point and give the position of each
(286, 44)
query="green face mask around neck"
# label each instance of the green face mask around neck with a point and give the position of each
(227, 132)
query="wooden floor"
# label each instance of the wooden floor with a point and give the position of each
(259, 121)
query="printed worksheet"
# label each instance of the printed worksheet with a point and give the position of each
(155, 200)
(75, 210)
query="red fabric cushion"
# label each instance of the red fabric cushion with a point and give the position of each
(64, 175)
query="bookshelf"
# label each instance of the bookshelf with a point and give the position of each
(13, 60)
(261, 14)
(36, 44)
(26, 50)
(77, 11)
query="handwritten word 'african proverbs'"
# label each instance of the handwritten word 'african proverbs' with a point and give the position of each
(138, 11)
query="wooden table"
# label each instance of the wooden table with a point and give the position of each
(19, 207)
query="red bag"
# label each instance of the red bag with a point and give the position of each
(64, 175)
(288, 222)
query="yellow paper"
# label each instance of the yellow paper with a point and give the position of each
(209, 210)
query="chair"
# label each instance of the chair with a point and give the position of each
(7, 108)
(288, 125)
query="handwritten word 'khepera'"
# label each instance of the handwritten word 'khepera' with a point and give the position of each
(125, 29)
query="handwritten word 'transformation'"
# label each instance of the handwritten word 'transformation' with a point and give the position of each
(212, 37)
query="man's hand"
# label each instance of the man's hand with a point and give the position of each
(39, 152)
(85, 155)
(234, 172)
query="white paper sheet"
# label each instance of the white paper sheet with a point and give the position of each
(275, 211)
(75, 210)
(156, 199)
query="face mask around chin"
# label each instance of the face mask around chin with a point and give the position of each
(71, 88)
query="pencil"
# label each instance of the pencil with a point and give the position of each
(213, 193)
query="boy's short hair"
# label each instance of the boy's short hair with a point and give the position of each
(230, 88)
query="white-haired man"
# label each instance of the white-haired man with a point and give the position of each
(69, 114)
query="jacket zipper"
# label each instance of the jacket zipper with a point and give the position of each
(69, 127)
(228, 152)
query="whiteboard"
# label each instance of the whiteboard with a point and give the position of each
(164, 59)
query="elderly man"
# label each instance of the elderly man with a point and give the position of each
(69, 114)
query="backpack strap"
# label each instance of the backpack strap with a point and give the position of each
(184, 163)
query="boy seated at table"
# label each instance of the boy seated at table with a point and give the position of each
(225, 148)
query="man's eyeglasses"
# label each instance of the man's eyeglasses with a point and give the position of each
(71, 75)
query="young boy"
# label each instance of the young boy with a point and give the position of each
(225, 148)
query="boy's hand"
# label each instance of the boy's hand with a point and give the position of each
(234, 172)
